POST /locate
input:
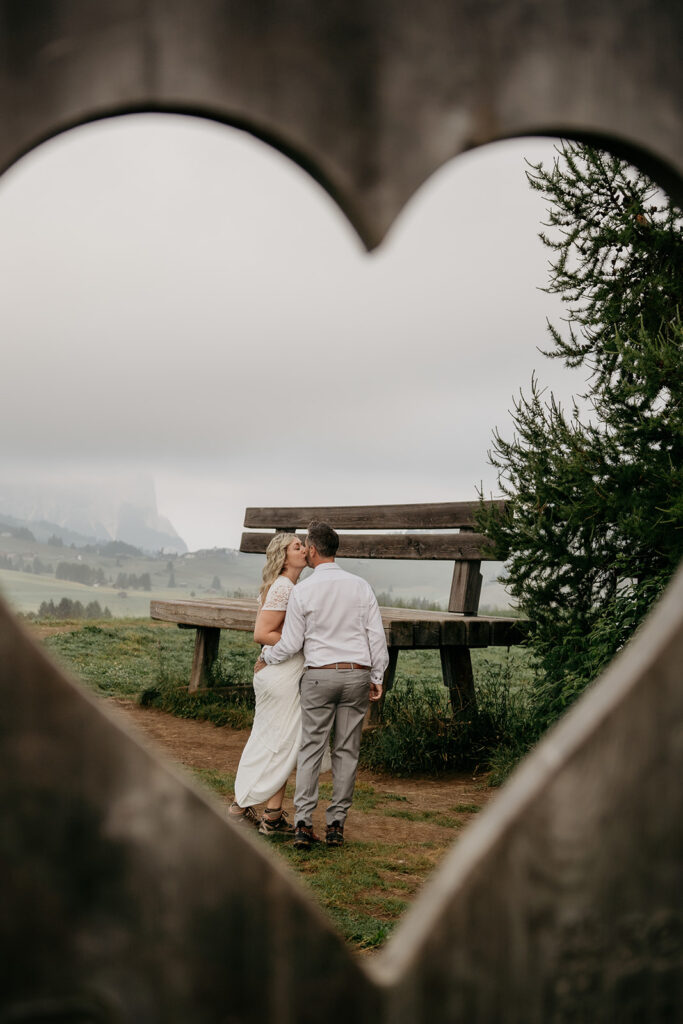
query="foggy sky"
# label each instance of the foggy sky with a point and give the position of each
(180, 300)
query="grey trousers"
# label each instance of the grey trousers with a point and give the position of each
(330, 697)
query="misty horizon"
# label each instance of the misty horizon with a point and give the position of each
(185, 305)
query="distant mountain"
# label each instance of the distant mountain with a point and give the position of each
(90, 510)
(43, 530)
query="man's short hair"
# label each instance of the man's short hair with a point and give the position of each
(323, 538)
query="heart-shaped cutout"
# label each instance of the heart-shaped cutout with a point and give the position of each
(281, 213)
(137, 902)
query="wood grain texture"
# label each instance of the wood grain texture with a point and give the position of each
(562, 901)
(128, 897)
(390, 672)
(404, 628)
(465, 588)
(232, 614)
(446, 515)
(508, 632)
(478, 632)
(398, 631)
(455, 630)
(456, 667)
(204, 658)
(427, 633)
(445, 547)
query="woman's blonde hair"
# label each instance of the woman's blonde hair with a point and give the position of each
(276, 556)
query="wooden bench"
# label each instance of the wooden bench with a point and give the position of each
(453, 633)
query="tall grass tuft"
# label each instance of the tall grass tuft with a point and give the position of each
(229, 700)
(420, 732)
(506, 726)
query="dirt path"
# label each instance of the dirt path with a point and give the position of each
(453, 798)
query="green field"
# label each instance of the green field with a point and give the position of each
(367, 889)
(151, 662)
(25, 592)
(195, 574)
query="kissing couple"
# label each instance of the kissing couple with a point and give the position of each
(323, 660)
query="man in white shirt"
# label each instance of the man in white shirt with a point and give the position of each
(334, 618)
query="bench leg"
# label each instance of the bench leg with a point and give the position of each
(456, 666)
(205, 654)
(376, 709)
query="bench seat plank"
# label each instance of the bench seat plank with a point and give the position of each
(233, 614)
(403, 627)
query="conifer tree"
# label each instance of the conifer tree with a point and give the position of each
(594, 524)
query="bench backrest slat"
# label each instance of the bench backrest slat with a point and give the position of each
(448, 515)
(447, 547)
(466, 548)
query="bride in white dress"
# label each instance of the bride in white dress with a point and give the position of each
(270, 755)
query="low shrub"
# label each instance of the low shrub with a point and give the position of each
(217, 706)
(506, 726)
(151, 662)
(420, 732)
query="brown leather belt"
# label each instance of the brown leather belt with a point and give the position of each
(341, 664)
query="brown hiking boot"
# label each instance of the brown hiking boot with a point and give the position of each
(304, 836)
(334, 836)
(270, 825)
(246, 818)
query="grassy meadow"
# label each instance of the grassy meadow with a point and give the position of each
(25, 592)
(151, 661)
(368, 887)
(28, 566)
(194, 574)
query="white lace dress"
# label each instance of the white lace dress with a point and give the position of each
(270, 755)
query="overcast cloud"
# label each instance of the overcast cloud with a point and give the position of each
(179, 300)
